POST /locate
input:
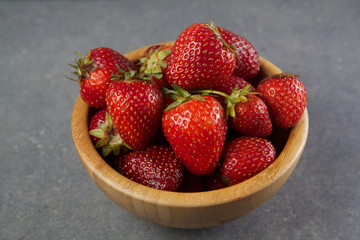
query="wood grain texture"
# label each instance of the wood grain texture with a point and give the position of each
(188, 210)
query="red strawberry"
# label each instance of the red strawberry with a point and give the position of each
(285, 97)
(234, 82)
(104, 135)
(94, 72)
(247, 63)
(248, 113)
(229, 85)
(195, 127)
(200, 58)
(245, 157)
(135, 106)
(250, 117)
(154, 166)
(97, 120)
(154, 64)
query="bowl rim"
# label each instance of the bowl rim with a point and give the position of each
(99, 170)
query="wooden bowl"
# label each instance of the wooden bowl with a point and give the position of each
(188, 210)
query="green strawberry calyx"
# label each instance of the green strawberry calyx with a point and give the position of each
(179, 95)
(153, 62)
(110, 140)
(82, 67)
(236, 96)
(131, 74)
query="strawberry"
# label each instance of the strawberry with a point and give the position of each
(200, 58)
(96, 120)
(247, 62)
(248, 113)
(234, 82)
(285, 97)
(104, 135)
(245, 157)
(154, 166)
(153, 67)
(229, 85)
(136, 108)
(195, 126)
(251, 117)
(153, 64)
(93, 73)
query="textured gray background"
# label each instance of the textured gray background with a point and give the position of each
(45, 192)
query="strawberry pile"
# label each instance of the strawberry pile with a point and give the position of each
(189, 117)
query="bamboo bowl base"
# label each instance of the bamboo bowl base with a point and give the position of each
(190, 210)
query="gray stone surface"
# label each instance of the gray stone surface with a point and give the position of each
(45, 192)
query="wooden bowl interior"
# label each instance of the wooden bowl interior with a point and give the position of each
(190, 210)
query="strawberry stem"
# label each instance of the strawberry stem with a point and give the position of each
(211, 92)
(82, 67)
(170, 93)
(230, 47)
(179, 95)
(231, 100)
(181, 91)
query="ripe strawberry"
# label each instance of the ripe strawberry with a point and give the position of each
(104, 135)
(285, 97)
(93, 73)
(200, 58)
(234, 82)
(135, 106)
(251, 117)
(229, 85)
(96, 120)
(195, 127)
(154, 64)
(245, 157)
(247, 63)
(154, 166)
(248, 113)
